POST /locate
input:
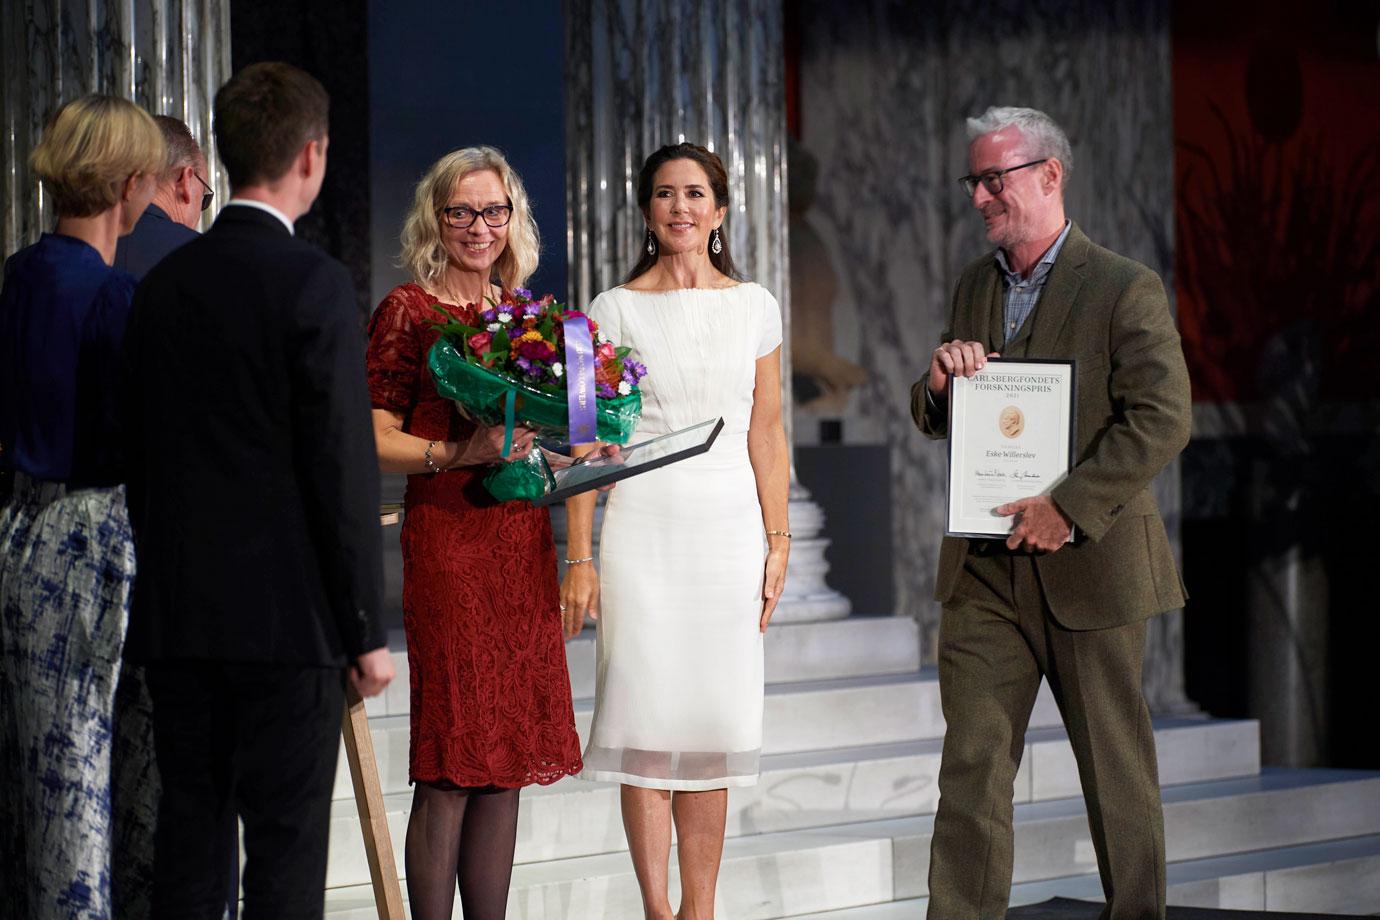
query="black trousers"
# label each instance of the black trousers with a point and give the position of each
(259, 741)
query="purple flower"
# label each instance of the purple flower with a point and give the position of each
(489, 316)
(523, 293)
(604, 391)
(524, 365)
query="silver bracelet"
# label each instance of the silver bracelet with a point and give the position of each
(578, 561)
(431, 466)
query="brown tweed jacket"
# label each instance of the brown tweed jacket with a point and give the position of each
(1111, 316)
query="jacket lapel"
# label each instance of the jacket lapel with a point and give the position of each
(987, 323)
(1057, 299)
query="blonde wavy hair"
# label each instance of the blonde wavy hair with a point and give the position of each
(423, 253)
(90, 148)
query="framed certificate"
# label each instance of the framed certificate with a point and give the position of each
(632, 460)
(1011, 429)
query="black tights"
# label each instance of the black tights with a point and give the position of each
(465, 836)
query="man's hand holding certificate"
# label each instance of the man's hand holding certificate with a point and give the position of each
(1039, 525)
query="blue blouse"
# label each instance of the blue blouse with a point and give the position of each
(62, 317)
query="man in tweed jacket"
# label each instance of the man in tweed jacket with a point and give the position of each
(1034, 605)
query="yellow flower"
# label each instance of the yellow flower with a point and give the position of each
(530, 336)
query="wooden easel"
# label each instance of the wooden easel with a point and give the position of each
(364, 773)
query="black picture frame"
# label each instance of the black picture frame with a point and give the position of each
(1070, 437)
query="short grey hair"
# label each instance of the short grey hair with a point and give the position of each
(183, 150)
(1043, 137)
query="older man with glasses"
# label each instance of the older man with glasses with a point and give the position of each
(181, 197)
(170, 221)
(1035, 605)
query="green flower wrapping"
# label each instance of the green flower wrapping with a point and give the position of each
(493, 398)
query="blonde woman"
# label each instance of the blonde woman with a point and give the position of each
(490, 705)
(66, 552)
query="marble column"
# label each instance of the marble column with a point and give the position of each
(643, 73)
(168, 56)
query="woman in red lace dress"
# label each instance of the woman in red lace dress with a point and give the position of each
(491, 708)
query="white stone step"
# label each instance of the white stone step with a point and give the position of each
(769, 875)
(794, 652)
(798, 791)
(868, 863)
(805, 716)
(1333, 877)
(1336, 877)
(909, 909)
(1278, 808)
(1189, 750)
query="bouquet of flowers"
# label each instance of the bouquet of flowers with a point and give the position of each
(535, 363)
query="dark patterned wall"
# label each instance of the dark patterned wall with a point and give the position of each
(329, 41)
(1278, 247)
(165, 55)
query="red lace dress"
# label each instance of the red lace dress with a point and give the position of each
(490, 693)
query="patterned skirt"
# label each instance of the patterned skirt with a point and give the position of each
(78, 784)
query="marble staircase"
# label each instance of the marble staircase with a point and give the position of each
(839, 825)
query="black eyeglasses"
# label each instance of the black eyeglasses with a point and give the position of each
(210, 193)
(992, 181)
(461, 218)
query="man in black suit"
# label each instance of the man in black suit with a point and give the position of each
(171, 218)
(253, 491)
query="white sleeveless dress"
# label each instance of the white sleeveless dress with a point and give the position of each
(678, 700)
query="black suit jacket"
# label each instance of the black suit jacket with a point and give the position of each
(253, 478)
(153, 237)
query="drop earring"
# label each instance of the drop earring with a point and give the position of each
(716, 246)
(651, 243)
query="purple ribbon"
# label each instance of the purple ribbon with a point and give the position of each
(579, 380)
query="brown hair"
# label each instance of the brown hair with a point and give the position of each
(718, 182)
(264, 115)
(90, 148)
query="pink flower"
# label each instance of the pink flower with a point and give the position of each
(606, 351)
(479, 342)
(540, 350)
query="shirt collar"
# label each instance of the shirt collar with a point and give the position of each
(251, 203)
(1042, 267)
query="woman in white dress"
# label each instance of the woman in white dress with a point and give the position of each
(693, 555)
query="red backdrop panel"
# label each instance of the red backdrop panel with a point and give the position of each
(1277, 186)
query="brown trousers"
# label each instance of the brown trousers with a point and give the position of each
(997, 638)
